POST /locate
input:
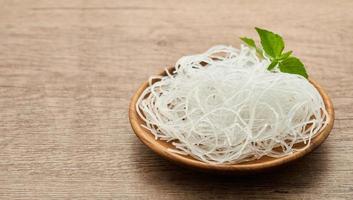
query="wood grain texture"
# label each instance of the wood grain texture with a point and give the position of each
(69, 68)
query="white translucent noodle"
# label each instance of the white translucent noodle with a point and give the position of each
(224, 106)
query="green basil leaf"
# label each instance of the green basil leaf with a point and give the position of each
(272, 65)
(250, 42)
(293, 65)
(272, 43)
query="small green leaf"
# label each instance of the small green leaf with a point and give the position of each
(272, 43)
(293, 65)
(285, 55)
(272, 65)
(250, 42)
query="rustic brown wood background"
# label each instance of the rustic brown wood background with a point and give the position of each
(68, 70)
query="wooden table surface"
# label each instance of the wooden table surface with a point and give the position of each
(68, 70)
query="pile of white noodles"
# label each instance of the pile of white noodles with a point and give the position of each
(224, 106)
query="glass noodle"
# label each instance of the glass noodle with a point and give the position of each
(224, 106)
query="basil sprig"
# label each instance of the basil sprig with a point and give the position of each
(272, 45)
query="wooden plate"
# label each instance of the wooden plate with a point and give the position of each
(265, 163)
